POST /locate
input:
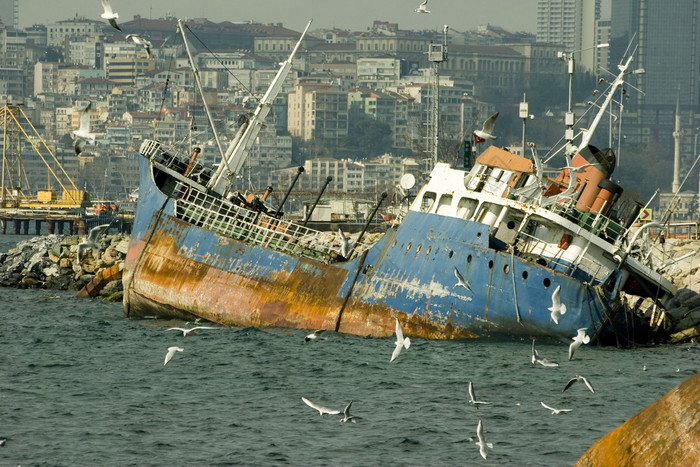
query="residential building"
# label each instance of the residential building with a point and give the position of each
(571, 24)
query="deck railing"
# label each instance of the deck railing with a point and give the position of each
(255, 227)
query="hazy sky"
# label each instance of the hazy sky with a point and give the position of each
(460, 15)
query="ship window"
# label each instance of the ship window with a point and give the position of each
(524, 275)
(394, 243)
(445, 205)
(430, 248)
(465, 207)
(469, 259)
(506, 269)
(490, 264)
(547, 282)
(510, 225)
(408, 247)
(419, 248)
(449, 255)
(428, 201)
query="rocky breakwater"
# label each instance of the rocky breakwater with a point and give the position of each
(680, 320)
(50, 262)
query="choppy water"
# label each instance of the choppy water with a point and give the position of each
(82, 385)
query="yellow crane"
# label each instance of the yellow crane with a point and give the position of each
(15, 191)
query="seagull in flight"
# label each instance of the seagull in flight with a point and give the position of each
(486, 131)
(321, 409)
(344, 244)
(346, 414)
(541, 360)
(472, 398)
(557, 308)
(555, 411)
(461, 282)
(314, 335)
(400, 341)
(578, 339)
(109, 15)
(171, 352)
(482, 442)
(82, 134)
(140, 40)
(189, 331)
(423, 7)
(578, 378)
(91, 241)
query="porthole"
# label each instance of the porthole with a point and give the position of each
(510, 225)
(469, 259)
(419, 248)
(408, 247)
(506, 268)
(449, 255)
(524, 275)
(542, 262)
(428, 250)
(490, 264)
(547, 282)
(478, 235)
(393, 244)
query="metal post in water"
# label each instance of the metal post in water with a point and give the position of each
(308, 216)
(300, 170)
(369, 221)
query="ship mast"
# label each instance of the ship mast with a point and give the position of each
(197, 80)
(239, 147)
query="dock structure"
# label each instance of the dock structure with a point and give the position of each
(59, 206)
(18, 222)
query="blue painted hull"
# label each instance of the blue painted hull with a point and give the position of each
(181, 270)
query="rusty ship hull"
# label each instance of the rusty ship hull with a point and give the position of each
(178, 269)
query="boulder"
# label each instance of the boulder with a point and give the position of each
(665, 433)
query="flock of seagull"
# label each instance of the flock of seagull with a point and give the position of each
(404, 343)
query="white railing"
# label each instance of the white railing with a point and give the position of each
(256, 227)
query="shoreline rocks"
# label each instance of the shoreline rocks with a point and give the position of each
(49, 262)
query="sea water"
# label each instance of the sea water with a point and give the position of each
(81, 384)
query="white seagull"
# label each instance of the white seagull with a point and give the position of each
(400, 341)
(578, 339)
(109, 15)
(346, 414)
(140, 40)
(344, 244)
(189, 331)
(461, 282)
(423, 7)
(321, 409)
(171, 352)
(472, 398)
(557, 308)
(314, 335)
(555, 411)
(482, 442)
(486, 131)
(91, 241)
(578, 378)
(541, 360)
(82, 134)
